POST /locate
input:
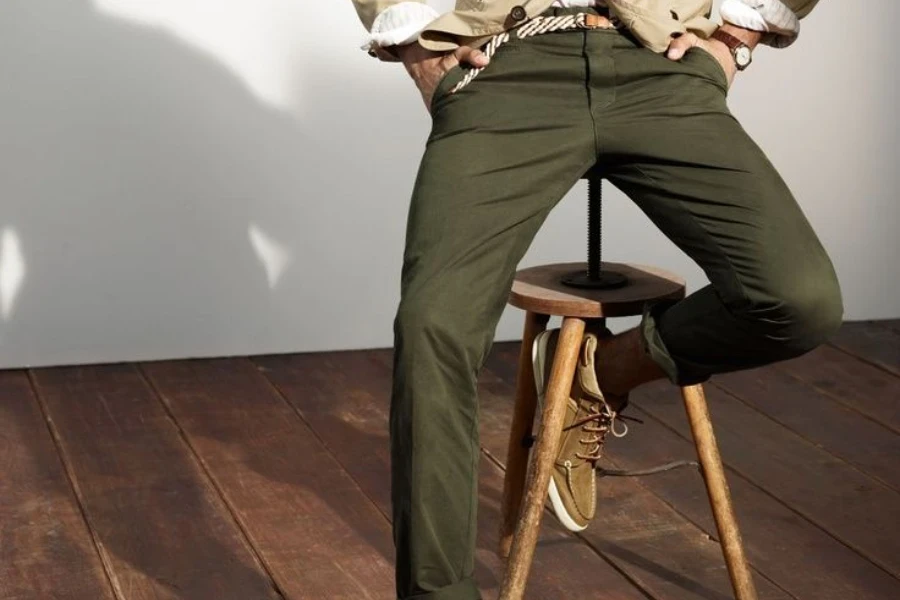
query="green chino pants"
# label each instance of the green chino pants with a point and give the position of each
(502, 152)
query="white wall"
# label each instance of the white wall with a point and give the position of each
(214, 177)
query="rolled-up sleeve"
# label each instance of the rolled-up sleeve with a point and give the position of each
(779, 20)
(400, 23)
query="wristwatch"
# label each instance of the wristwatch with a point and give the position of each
(741, 52)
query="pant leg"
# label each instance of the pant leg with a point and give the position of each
(673, 146)
(501, 154)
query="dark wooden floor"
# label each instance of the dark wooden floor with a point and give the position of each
(267, 478)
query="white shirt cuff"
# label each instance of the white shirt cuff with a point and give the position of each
(770, 16)
(738, 13)
(400, 24)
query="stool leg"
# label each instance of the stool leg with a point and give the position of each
(717, 489)
(520, 431)
(542, 458)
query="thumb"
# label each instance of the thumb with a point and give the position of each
(680, 45)
(473, 56)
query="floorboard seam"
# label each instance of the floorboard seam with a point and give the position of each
(868, 361)
(245, 534)
(322, 442)
(76, 491)
(803, 437)
(836, 398)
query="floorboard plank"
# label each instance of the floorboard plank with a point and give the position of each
(821, 420)
(893, 324)
(345, 396)
(849, 504)
(162, 528)
(855, 383)
(46, 550)
(873, 341)
(319, 535)
(788, 549)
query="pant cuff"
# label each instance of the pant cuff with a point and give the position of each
(463, 590)
(656, 348)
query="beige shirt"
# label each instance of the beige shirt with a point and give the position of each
(653, 22)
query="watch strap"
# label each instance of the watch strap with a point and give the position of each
(734, 44)
(728, 39)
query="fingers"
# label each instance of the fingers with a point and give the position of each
(428, 76)
(680, 45)
(473, 56)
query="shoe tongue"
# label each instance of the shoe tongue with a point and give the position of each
(587, 375)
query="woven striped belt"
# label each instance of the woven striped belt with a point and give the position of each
(537, 26)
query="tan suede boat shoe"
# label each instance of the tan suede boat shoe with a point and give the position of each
(589, 419)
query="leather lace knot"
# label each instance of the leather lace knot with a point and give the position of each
(598, 424)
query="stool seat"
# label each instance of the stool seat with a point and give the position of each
(540, 290)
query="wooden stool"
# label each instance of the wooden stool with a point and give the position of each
(540, 293)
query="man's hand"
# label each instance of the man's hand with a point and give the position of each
(427, 67)
(718, 49)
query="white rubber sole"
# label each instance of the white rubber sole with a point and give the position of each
(538, 361)
(560, 510)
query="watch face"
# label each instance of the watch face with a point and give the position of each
(742, 56)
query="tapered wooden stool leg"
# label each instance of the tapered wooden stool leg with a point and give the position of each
(520, 433)
(717, 489)
(542, 458)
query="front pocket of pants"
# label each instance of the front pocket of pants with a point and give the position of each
(447, 81)
(460, 71)
(718, 71)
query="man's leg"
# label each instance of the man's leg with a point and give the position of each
(676, 150)
(501, 154)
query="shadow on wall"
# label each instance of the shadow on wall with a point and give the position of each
(152, 206)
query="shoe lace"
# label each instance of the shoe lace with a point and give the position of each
(600, 421)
